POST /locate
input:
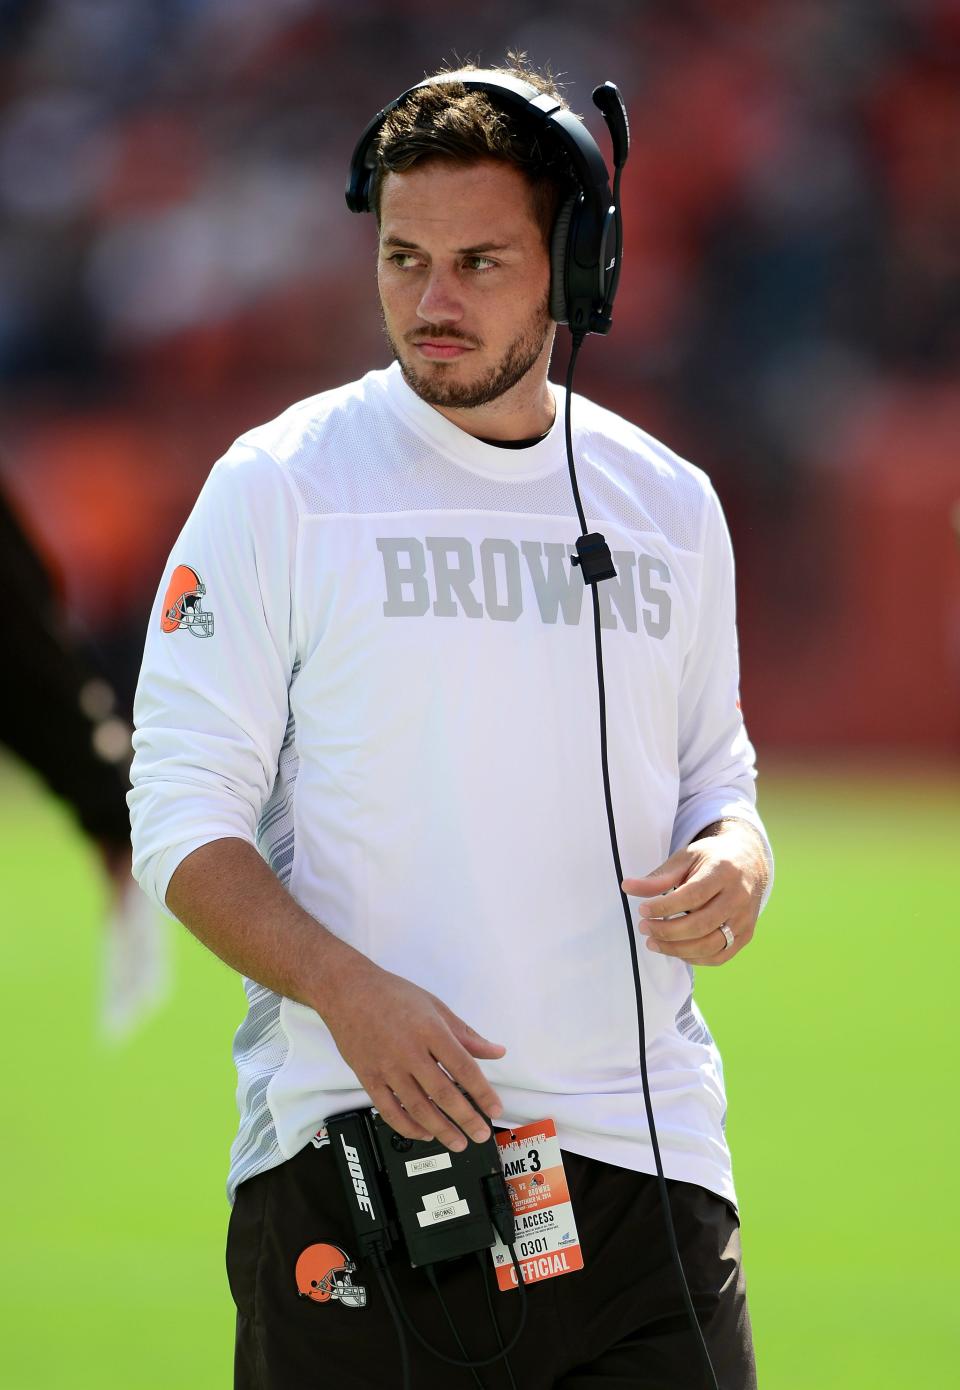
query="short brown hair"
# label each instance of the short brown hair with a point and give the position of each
(449, 121)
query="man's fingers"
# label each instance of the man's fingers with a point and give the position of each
(455, 1060)
(420, 1105)
(394, 1113)
(652, 885)
(711, 949)
(691, 926)
(671, 873)
(447, 1097)
(430, 1107)
(729, 951)
(430, 1090)
(697, 892)
(474, 1042)
(457, 1057)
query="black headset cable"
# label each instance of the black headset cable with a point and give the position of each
(431, 1274)
(628, 916)
(383, 1275)
(452, 1360)
(493, 1317)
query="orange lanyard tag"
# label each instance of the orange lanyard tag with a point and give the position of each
(547, 1243)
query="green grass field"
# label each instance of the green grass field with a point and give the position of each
(840, 1069)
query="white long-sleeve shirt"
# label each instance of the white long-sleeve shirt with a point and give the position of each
(397, 702)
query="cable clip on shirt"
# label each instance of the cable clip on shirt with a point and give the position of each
(594, 558)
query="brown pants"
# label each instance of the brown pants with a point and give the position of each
(617, 1324)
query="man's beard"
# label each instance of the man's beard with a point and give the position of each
(513, 366)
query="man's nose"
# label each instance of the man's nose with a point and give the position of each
(440, 301)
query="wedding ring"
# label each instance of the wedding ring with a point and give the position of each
(728, 936)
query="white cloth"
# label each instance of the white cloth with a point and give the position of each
(136, 968)
(398, 703)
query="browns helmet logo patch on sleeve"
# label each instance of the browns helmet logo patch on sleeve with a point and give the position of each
(182, 605)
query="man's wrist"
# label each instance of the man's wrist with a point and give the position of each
(733, 824)
(718, 827)
(339, 975)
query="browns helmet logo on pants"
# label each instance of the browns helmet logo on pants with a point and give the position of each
(323, 1274)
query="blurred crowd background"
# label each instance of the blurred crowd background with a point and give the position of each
(177, 263)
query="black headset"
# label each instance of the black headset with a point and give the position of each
(587, 240)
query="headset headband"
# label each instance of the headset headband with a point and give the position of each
(516, 98)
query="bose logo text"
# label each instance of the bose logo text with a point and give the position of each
(359, 1182)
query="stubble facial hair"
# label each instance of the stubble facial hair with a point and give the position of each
(501, 377)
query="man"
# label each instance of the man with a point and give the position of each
(392, 696)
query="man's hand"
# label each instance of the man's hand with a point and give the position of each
(403, 1044)
(116, 861)
(716, 882)
(407, 1050)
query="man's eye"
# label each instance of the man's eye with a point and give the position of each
(479, 262)
(403, 260)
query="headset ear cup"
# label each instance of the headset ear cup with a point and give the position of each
(559, 245)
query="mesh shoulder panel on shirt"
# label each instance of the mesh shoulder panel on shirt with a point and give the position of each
(399, 471)
(638, 481)
(349, 452)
